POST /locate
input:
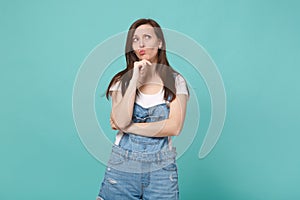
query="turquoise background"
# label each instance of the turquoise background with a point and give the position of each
(255, 45)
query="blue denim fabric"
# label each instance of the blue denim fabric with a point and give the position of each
(134, 142)
(142, 167)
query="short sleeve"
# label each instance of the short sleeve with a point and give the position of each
(181, 86)
(115, 87)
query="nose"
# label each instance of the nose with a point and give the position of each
(141, 43)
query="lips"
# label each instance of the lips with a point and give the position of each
(142, 52)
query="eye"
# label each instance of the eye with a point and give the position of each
(135, 39)
(147, 37)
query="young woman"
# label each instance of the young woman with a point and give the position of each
(148, 107)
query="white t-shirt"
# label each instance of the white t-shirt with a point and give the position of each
(149, 100)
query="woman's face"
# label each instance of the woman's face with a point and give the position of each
(145, 43)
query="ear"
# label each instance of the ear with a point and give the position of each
(160, 44)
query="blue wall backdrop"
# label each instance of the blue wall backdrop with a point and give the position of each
(255, 45)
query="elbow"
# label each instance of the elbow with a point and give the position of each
(174, 127)
(176, 133)
(177, 129)
(122, 125)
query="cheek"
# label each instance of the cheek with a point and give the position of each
(135, 47)
(151, 44)
(153, 51)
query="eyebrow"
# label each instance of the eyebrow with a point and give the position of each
(143, 34)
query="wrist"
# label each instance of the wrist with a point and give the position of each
(134, 81)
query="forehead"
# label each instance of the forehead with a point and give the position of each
(145, 28)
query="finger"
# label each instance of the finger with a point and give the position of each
(142, 71)
(142, 68)
(148, 62)
(113, 126)
(141, 65)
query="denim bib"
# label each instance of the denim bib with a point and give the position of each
(139, 143)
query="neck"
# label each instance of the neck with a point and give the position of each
(151, 71)
(150, 75)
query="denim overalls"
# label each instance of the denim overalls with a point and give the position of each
(142, 167)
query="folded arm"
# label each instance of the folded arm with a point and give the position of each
(168, 127)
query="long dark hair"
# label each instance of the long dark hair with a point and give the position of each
(163, 68)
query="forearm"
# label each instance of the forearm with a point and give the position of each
(169, 127)
(122, 112)
(162, 128)
(122, 109)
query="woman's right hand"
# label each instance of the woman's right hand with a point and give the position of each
(139, 69)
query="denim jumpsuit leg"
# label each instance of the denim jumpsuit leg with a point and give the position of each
(142, 167)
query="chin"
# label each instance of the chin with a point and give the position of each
(144, 57)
